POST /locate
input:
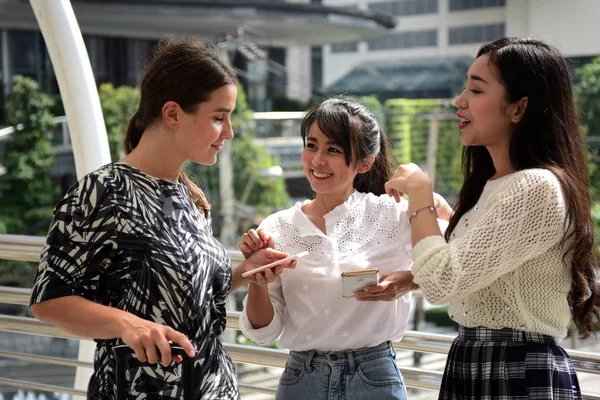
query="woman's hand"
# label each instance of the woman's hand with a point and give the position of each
(444, 210)
(262, 257)
(390, 287)
(147, 339)
(406, 178)
(254, 241)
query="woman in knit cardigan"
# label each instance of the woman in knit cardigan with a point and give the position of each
(517, 261)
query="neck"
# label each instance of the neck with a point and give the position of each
(156, 156)
(324, 203)
(502, 163)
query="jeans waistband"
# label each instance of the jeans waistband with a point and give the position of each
(482, 333)
(352, 357)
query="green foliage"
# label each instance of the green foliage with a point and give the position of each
(118, 106)
(439, 317)
(27, 193)
(408, 123)
(588, 100)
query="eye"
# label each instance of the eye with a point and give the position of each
(334, 150)
(219, 119)
(475, 91)
(310, 146)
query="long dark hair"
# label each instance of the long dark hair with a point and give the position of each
(185, 71)
(355, 129)
(547, 137)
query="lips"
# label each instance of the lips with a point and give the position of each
(463, 121)
(320, 175)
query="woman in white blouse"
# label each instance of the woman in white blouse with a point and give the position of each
(518, 258)
(340, 348)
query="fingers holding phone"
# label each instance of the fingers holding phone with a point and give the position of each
(390, 287)
(264, 266)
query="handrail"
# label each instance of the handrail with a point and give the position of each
(28, 248)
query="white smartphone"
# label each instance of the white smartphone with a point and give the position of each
(275, 263)
(357, 280)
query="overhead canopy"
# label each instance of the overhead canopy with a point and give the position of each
(277, 24)
(410, 78)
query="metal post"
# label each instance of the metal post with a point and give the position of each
(432, 142)
(5, 61)
(75, 78)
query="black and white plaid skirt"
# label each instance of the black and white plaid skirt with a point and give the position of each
(507, 364)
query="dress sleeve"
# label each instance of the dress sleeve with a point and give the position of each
(519, 223)
(271, 332)
(80, 244)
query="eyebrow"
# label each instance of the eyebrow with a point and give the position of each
(313, 139)
(223, 109)
(478, 78)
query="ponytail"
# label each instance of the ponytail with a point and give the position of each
(196, 194)
(373, 181)
(134, 133)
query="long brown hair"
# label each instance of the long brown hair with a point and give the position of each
(185, 71)
(547, 137)
(355, 129)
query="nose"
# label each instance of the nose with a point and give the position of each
(461, 101)
(227, 130)
(318, 160)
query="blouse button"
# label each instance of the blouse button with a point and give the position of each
(507, 308)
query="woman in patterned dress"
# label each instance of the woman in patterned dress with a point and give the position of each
(130, 257)
(517, 261)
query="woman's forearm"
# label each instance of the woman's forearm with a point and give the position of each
(425, 223)
(82, 317)
(237, 279)
(259, 308)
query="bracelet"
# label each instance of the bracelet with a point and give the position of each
(414, 213)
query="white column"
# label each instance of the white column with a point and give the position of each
(75, 78)
(76, 83)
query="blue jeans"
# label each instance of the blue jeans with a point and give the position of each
(367, 373)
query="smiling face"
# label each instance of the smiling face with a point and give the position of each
(324, 164)
(200, 134)
(486, 116)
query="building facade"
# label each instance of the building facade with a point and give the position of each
(120, 35)
(444, 36)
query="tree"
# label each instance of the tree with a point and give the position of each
(118, 106)
(27, 193)
(588, 94)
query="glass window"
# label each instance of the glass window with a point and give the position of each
(475, 33)
(25, 53)
(406, 7)
(344, 48)
(459, 5)
(405, 40)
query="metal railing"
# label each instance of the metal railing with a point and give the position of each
(28, 248)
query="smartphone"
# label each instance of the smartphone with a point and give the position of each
(275, 263)
(357, 280)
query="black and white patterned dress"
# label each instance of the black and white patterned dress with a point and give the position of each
(127, 240)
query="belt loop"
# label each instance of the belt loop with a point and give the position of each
(392, 349)
(524, 336)
(351, 365)
(308, 360)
